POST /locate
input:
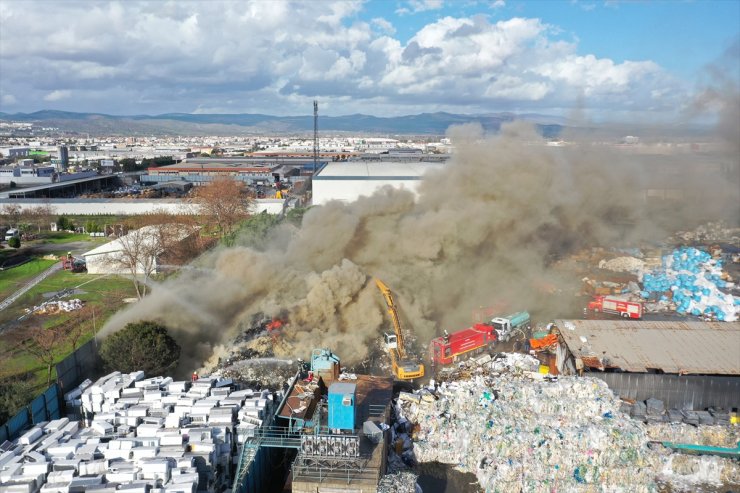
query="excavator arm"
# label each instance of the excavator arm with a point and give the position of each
(403, 368)
(394, 316)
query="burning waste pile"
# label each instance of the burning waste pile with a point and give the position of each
(690, 281)
(517, 431)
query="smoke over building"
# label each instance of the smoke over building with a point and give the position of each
(484, 229)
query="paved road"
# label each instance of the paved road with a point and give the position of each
(30, 284)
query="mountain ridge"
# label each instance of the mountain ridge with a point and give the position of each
(256, 123)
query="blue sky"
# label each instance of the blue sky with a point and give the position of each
(619, 59)
(680, 35)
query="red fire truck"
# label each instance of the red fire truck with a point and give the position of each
(449, 348)
(617, 306)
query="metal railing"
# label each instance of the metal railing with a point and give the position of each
(273, 436)
(348, 470)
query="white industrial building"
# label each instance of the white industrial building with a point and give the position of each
(351, 180)
(144, 243)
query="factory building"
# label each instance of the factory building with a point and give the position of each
(252, 171)
(687, 365)
(351, 180)
(27, 175)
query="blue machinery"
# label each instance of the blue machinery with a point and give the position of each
(327, 442)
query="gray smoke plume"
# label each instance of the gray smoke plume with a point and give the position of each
(485, 229)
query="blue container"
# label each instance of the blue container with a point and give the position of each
(342, 402)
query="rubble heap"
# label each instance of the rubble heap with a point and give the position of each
(52, 307)
(712, 231)
(518, 431)
(623, 264)
(690, 280)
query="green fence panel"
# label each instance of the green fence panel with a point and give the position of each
(18, 423)
(38, 409)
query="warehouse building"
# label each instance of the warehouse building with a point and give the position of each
(252, 171)
(687, 365)
(144, 245)
(351, 180)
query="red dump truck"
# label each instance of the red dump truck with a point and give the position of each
(616, 306)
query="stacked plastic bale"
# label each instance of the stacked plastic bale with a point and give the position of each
(695, 280)
(534, 435)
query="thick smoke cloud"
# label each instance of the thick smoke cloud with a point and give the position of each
(486, 229)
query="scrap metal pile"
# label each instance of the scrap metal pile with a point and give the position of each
(518, 430)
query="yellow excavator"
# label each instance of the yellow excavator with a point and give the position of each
(403, 367)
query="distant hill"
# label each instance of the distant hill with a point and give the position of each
(254, 124)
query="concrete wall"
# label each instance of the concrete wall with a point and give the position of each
(124, 207)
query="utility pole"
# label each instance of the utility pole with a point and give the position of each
(315, 135)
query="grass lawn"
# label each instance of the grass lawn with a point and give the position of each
(15, 277)
(103, 296)
(65, 237)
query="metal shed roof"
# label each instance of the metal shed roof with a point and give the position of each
(387, 170)
(673, 347)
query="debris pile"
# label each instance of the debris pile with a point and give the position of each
(690, 281)
(712, 436)
(710, 232)
(400, 482)
(682, 473)
(54, 307)
(623, 264)
(518, 430)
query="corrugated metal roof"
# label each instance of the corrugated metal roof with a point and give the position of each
(673, 347)
(379, 170)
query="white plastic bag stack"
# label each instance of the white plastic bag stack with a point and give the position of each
(533, 435)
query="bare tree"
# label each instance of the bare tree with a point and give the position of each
(139, 251)
(11, 213)
(42, 215)
(43, 344)
(225, 202)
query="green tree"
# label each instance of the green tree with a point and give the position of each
(92, 226)
(64, 224)
(14, 242)
(15, 394)
(144, 345)
(295, 215)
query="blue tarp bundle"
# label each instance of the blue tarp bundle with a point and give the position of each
(695, 279)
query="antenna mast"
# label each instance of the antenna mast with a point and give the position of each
(315, 135)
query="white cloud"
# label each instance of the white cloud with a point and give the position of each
(58, 95)
(383, 25)
(158, 57)
(415, 6)
(498, 4)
